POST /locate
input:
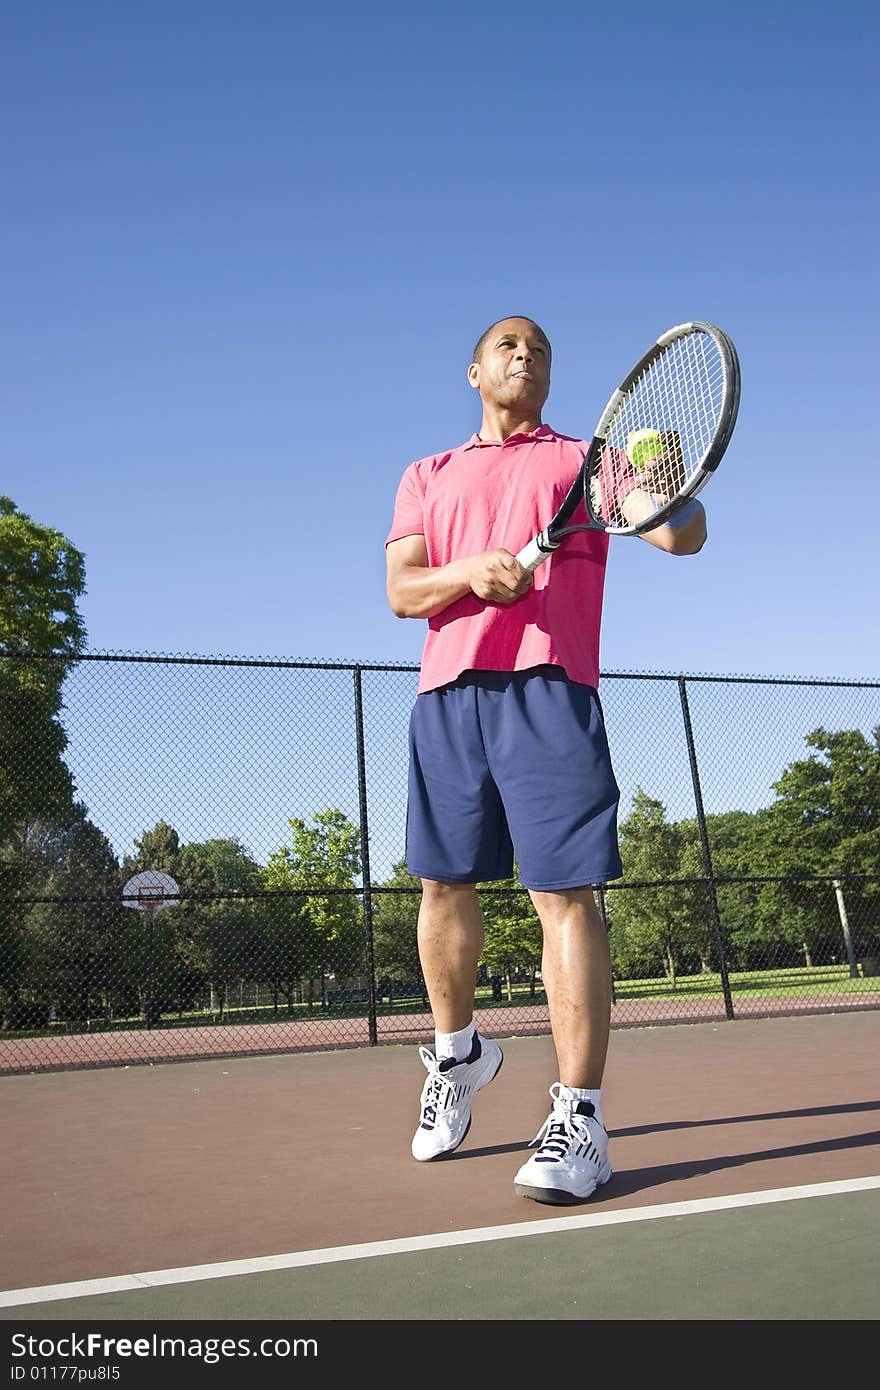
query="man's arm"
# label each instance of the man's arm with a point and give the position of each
(684, 533)
(641, 489)
(418, 590)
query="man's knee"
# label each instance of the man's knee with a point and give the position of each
(435, 891)
(563, 903)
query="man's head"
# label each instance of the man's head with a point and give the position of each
(511, 365)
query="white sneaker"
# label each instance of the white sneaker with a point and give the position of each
(572, 1156)
(446, 1096)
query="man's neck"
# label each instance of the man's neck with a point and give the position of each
(499, 425)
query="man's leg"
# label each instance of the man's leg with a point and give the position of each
(450, 936)
(572, 1154)
(576, 970)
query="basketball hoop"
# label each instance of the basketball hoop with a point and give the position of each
(150, 898)
(150, 891)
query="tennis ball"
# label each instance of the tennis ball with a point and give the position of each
(642, 445)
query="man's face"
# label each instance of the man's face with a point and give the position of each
(513, 371)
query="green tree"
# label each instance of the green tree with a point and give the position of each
(513, 938)
(650, 926)
(774, 921)
(77, 949)
(158, 848)
(285, 954)
(731, 842)
(164, 957)
(41, 577)
(223, 935)
(225, 863)
(322, 864)
(395, 933)
(826, 820)
(35, 786)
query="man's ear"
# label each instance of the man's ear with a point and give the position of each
(473, 375)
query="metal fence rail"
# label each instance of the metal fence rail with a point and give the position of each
(273, 793)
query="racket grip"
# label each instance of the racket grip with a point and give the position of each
(536, 551)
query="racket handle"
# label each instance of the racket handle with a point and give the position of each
(536, 551)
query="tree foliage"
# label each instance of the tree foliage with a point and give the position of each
(824, 821)
(395, 930)
(513, 940)
(78, 949)
(650, 926)
(318, 932)
(42, 575)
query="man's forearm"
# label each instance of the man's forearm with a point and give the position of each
(422, 591)
(684, 533)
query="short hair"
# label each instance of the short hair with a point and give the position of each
(481, 341)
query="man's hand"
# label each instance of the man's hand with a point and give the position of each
(419, 590)
(664, 474)
(498, 577)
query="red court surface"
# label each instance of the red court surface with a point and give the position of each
(114, 1172)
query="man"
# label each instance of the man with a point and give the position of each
(508, 753)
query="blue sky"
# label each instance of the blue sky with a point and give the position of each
(246, 250)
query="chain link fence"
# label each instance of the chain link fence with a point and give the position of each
(272, 794)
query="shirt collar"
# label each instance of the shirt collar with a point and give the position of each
(542, 432)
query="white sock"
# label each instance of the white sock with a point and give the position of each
(456, 1045)
(595, 1096)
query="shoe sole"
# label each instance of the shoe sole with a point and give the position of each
(558, 1196)
(445, 1153)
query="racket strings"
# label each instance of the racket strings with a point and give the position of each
(664, 427)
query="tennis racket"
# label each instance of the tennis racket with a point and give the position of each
(658, 441)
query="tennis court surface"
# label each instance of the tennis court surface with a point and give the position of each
(281, 1188)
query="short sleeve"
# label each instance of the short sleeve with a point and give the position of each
(409, 507)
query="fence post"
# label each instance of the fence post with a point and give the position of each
(847, 934)
(365, 855)
(707, 856)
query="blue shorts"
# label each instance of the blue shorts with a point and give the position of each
(512, 763)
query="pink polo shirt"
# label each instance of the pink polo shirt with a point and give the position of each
(484, 495)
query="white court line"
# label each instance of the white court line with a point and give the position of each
(300, 1259)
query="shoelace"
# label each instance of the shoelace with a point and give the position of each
(437, 1086)
(560, 1129)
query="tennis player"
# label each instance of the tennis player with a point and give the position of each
(509, 759)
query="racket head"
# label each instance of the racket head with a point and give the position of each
(665, 429)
